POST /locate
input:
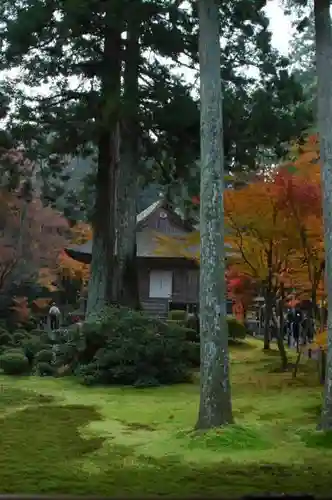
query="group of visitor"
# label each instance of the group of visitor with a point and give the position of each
(299, 328)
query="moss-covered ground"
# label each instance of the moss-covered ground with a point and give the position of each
(59, 437)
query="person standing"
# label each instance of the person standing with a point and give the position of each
(54, 315)
(297, 328)
(289, 323)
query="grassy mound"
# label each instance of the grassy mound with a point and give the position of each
(60, 437)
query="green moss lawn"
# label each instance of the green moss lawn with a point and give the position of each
(59, 437)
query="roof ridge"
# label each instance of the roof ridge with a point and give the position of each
(142, 216)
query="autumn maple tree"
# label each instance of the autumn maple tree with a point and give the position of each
(31, 237)
(300, 198)
(242, 290)
(262, 238)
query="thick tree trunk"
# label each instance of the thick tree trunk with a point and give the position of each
(268, 301)
(128, 180)
(324, 74)
(267, 321)
(102, 285)
(103, 266)
(313, 308)
(215, 394)
(280, 331)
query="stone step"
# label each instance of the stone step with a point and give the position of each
(158, 309)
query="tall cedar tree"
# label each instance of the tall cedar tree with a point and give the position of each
(324, 71)
(215, 407)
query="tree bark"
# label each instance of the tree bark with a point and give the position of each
(324, 75)
(102, 288)
(280, 330)
(267, 321)
(268, 301)
(128, 180)
(215, 407)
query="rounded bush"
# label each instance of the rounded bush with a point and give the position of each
(19, 336)
(21, 330)
(31, 324)
(5, 338)
(37, 332)
(193, 323)
(45, 369)
(31, 346)
(194, 353)
(14, 363)
(44, 356)
(129, 348)
(192, 335)
(176, 315)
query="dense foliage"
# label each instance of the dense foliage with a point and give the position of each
(236, 329)
(119, 346)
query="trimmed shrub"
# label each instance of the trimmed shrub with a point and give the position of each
(174, 322)
(44, 369)
(193, 353)
(37, 332)
(14, 363)
(5, 338)
(31, 324)
(177, 315)
(193, 324)
(191, 335)
(19, 336)
(66, 355)
(44, 356)
(236, 330)
(31, 346)
(127, 347)
(21, 330)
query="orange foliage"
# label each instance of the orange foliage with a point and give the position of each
(70, 268)
(31, 236)
(41, 304)
(242, 290)
(260, 233)
(320, 341)
(21, 310)
(300, 196)
(277, 225)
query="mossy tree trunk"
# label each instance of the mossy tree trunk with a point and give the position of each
(268, 300)
(128, 180)
(102, 286)
(215, 407)
(324, 74)
(280, 329)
